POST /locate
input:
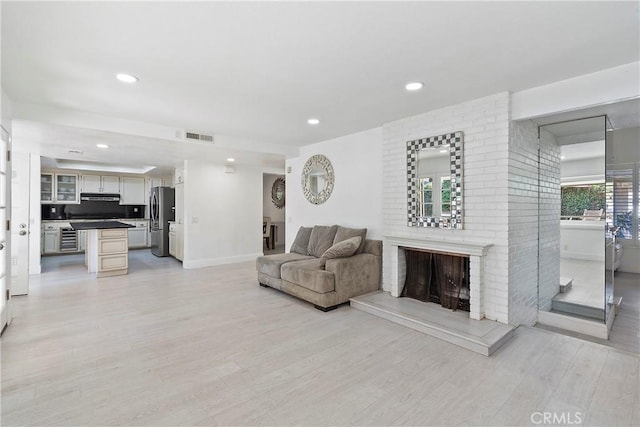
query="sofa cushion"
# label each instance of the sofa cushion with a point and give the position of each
(344, 233)
(270, 264)
(309, 274)
(343, 249)
(321, 239)
(301, 243)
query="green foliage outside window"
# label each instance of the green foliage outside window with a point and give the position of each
(576, 199)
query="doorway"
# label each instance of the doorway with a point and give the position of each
(587, 222)
(273, 213)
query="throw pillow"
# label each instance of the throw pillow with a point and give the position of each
(343, 249)
(321, 239)
(344, 233)
(301, 242)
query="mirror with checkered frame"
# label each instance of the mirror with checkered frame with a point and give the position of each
(434, 181)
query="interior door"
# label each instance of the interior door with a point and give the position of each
(5, 238)
(20, 177)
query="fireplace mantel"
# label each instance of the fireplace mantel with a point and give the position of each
(432, 244)
(395, 246)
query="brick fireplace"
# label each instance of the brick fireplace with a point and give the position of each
(476, 253)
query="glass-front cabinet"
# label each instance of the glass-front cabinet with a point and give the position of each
(59, 188)
(46, 187)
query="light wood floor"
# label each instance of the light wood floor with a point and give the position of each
(167, 346)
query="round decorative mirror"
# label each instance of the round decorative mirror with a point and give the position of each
(277, 193)
(317, 179)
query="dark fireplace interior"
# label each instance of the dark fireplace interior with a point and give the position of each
(437, 277)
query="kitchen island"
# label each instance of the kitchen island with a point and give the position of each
(107, 252)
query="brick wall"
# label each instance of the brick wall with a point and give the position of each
(523, 223)
(485, 123)
(549, 223)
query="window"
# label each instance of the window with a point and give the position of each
(426, 196)
(445, 195)
(578, 198)
(623, 207)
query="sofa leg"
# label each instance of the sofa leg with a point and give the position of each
(333, 307)
(263, 285)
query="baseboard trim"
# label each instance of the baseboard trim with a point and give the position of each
(212, 262)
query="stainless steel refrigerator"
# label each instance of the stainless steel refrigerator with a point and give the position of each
(161, 211)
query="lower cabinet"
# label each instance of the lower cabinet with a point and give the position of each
(175, 240)
(51, 235)
(107, 253)
(172, 242)
(51, 241)
(138, 237)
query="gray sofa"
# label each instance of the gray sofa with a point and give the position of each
(326, 266)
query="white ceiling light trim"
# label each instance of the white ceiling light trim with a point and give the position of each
(126, 78)
(101, 167)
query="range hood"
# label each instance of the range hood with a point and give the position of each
(100, 197)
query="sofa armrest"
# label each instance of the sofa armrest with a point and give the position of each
(356, 275)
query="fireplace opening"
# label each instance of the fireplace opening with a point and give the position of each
(442, 278)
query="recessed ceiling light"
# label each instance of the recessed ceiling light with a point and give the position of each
(561, 157)
(313, 121)
(126, 78)
(444, 151)
(231, 159)
(414, 86)
(102, 146)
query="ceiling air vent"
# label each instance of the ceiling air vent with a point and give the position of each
(198, 137)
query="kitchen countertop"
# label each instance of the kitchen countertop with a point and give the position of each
(99, 225)
(94, 220)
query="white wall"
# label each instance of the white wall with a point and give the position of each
(583, 240)
(223, 214)
(602, 87)
(583, 169)
(6, 111)
(356, 198)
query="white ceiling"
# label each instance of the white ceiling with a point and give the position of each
(259, 70)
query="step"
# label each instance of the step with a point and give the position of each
(565, 284)
(577, 309)
(455, 327)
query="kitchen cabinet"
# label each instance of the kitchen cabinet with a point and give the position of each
(137, 236)
(172, 239)
(100, 184)
(176, 247)
(51, 241)
(179, 242)
(67, 189)
(46, 187)
(178, 177)
(179, 200)
(107, 253)
(50, 237)
(59, 188)
(132, 191)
